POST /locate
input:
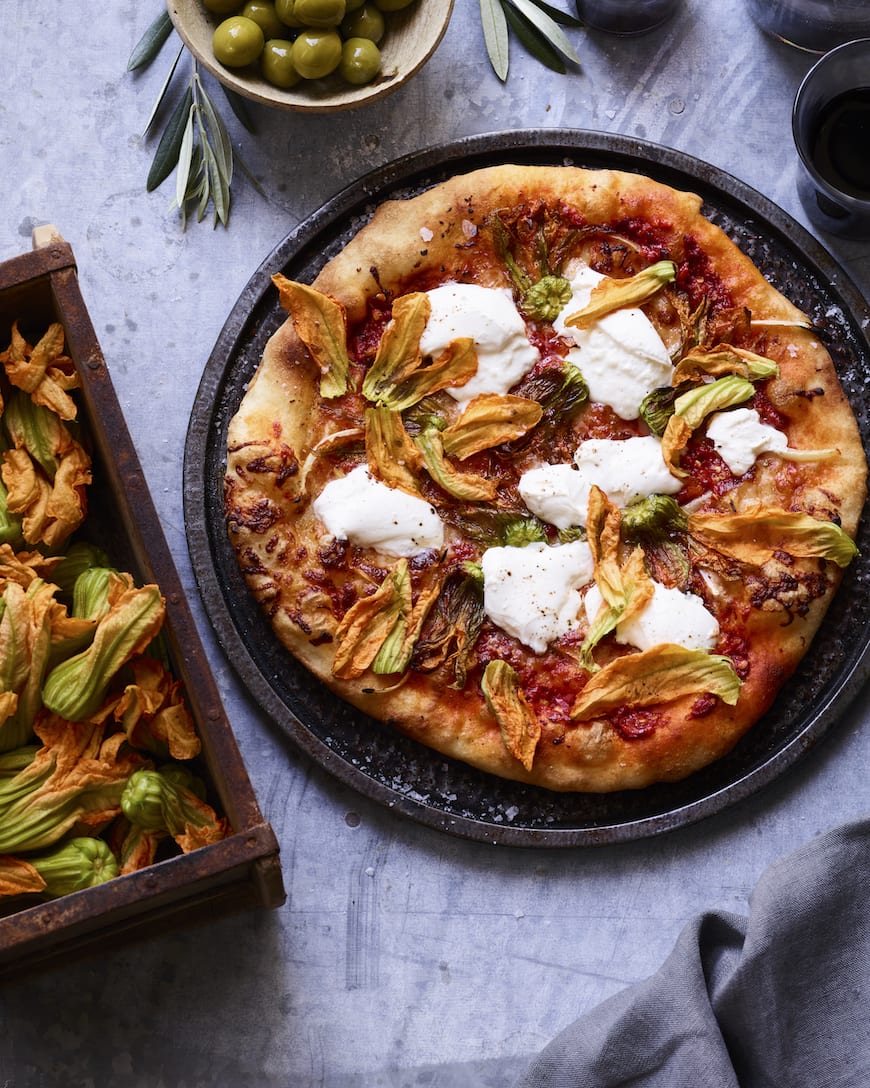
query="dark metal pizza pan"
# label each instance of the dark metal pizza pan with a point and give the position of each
(398, 772)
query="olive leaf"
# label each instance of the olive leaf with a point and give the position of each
(495, 36)
(534, 43)
(537, 26)
(185, 159)
(169, 147)
(159, 100)
(546, 26)
(151, 42)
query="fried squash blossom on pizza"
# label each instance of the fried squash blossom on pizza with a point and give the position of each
(541, 471)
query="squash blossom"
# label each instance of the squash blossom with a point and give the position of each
(163, 801)
(152, 712)
(46, 472)
(135, 848)
(399, 377)
(74, 781)
(321, 324)
(10, 524)
(26, 639)
(520, 728)
(82, 862)
(79, 557)
(42, 370)
(91, 593)
(75, 688)
(612, 294)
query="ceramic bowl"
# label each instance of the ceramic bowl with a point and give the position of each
(412, 36)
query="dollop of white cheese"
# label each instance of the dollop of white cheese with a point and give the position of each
(366, 512)
(533, 593)
(739, 436)
(626, 469)
(669, 616)
(620, 355)
(489, 317)
(557, 493)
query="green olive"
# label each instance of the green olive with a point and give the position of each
(367, 22)
(277, 64)
(264, 15)
(237, 41)
(222, 7)
(316, 53)
(284, 11)
(319, 13)
(360, 60)
(353, 5)
(392, 5)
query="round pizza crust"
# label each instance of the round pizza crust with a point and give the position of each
(437, 237)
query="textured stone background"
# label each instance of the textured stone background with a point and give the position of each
(403, 957)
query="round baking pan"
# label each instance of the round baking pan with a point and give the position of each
(372, 757)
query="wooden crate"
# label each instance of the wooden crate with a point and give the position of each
(241, 871)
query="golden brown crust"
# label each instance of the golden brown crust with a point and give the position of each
(274, 470)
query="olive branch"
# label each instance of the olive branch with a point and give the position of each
(195, 142)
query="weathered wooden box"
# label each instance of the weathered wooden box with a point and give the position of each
(242, 870)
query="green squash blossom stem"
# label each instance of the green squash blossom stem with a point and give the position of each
(75, 688)
(31, 824)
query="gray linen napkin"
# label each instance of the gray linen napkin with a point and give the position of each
(780, 999)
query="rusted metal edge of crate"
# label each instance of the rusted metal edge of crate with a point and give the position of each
(238, 873)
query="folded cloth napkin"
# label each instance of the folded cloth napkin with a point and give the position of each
(780, 999)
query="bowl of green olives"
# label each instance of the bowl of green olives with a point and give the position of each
(311, 55)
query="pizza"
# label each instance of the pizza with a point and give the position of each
(541, 471)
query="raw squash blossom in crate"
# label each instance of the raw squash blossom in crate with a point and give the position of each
(94, 730)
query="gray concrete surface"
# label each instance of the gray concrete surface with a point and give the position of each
(403, 957)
